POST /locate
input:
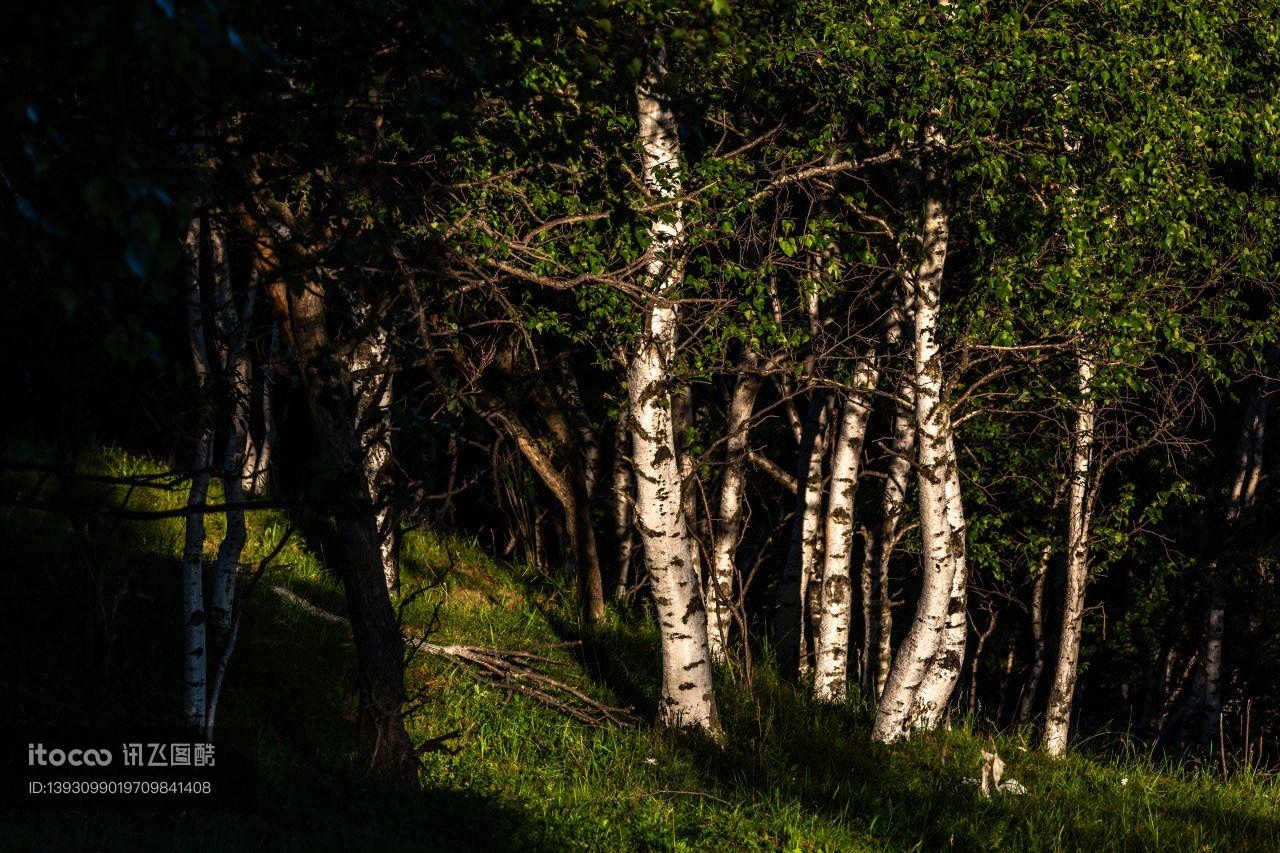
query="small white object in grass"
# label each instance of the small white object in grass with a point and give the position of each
(992, 770)
(651, 761)
(1124, 780)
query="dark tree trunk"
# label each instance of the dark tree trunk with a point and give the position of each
(384, 748)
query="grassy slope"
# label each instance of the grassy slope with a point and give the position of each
(794, 777)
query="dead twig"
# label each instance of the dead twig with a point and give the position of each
(511, 670)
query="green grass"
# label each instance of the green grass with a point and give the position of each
(794, 776)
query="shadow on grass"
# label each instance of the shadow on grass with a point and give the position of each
(292, 814)
(621, 655)
(290, 683)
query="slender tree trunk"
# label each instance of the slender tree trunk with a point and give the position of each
(1039, 651)
(232, 333)
(258, 454)
(805, 557)
(682, 426)
(1244, 488)
(587, 441)
(569, 490)
(927, 665)
(869, 620)
(728, 525)
(1211, 659)
(877, 601)
(622, 504)
(590, 583)
(893, 510)
(940, 681)
(385, 750)
(791, 619)
(581, 452)
(195, 661)
(1079, 512)
(688, 699)
(370, 368)
(831, 641)
(977, 660)
(812, 581)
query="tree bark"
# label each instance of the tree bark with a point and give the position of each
(791, 617)
(983, 636)
(585, 433)
(623, 501)
(728, 524)
(569, 490)
(831, 640)
(369, 366)
(688, 698)
(384, 748)
(1079, 512)
(232, 336)
(568, 483)
(1039, 647)
(879, 655)
(574, 488)
(925, 670)
(195, 660)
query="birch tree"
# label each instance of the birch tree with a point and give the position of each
(370, 366)
(791, 618)
(195, 659)
(621, 504)
(928, 663)
(1079, 514)
(728, 523)
(831, 643)
(232, 335)
(878, 614)
(688, 698)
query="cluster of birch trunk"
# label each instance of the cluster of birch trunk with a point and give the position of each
(884, 402)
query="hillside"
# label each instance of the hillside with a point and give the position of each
(510, 772)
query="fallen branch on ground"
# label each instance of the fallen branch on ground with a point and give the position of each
(511, 670)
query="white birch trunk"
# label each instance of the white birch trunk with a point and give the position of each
(688, 699)
(831, 640)
(811, 581)
(927, 665)
(370, 364)
(690, 484)
(1062, 691)
(728, 525)
(791, 620)
(193, 617)
(893, 509)
(622, 504)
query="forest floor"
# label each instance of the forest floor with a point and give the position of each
(516, 773)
